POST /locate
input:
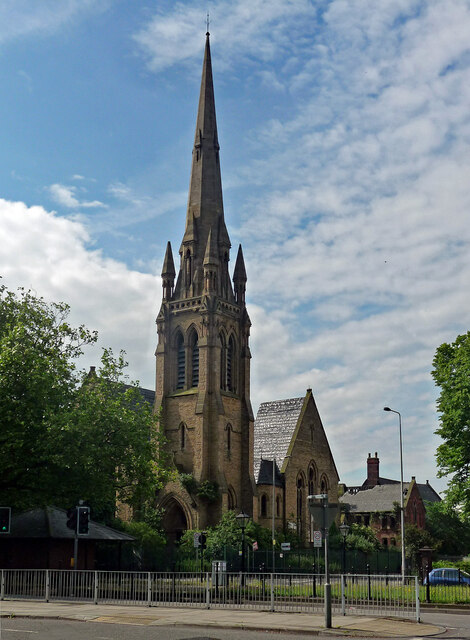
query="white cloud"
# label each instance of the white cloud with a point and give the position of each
(20, 18)
(67, 197)
(103, 294)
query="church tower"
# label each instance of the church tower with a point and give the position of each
(203, 354)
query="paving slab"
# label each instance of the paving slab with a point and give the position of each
(223, 618)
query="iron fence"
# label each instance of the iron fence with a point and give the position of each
(350, 594)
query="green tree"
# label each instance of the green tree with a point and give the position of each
(448, 528)
(452, 374)
(65, 435)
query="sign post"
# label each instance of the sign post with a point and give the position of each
(324, 512)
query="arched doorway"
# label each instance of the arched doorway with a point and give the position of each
(174, 520)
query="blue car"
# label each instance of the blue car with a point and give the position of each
(448, 576)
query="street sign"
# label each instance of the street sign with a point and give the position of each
(317, 541)
(317, 511)
(285, 546)
(197, 541)
(255, 546)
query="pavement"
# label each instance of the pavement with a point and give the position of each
(308, 623)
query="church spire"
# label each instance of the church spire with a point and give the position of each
(205, 211)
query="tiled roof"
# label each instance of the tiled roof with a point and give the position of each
(379, 498)
(265, 475)
(274, 427)
(51, 522)
(428, 494)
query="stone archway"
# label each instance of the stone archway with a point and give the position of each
(174, 521)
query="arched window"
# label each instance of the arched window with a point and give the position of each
(182, 435)
(311, 479)
(278, 506)
(223, 364)
(324, 484)
(264, 506)
(231, 364)
(232, 500)
(180, 362)
(194, 359)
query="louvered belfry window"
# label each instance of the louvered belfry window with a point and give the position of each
(195, 362)
(180, 360)
(230, 364)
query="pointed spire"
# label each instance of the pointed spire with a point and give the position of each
(168, 273)
(239, 277)
(168, 264)
(211, 255)
(239, 273)
(205, 202)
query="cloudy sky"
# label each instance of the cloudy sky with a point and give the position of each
(344, 131)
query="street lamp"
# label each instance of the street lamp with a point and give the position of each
(242, 520)
(402, 508)
(344, 530)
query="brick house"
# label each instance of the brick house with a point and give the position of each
(376, 503)
(290, 437)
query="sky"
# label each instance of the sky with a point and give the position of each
(344, 130)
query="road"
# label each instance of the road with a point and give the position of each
(458, 628)
(34, 629)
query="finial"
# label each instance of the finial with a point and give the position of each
(207, 24)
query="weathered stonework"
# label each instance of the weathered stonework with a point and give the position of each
(203, 355)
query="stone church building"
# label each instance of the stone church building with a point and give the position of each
(203, 376)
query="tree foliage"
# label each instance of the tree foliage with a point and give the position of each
(452, 374)
(448, 528)
(66, 435)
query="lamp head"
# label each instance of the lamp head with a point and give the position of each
(387, 409)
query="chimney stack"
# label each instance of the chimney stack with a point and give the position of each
(372, 470)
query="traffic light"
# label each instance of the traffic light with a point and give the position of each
(202, 540)
(5, 519)
(72, 519)
(83, 520)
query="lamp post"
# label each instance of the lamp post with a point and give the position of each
(242, 519)
(402, 507)
(273, 521)
(344, 530)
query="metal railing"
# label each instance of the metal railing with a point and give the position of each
(350, 594)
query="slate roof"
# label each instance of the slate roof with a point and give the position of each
(265, 474)
(147, 394)
(51, 522)
(379, 498)
(274, 427)
(427, 493)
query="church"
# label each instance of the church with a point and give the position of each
(224, 458)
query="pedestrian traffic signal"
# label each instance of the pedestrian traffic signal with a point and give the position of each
(83, 520)
(72, 519)
(5, 519)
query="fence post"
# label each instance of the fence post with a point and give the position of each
(418, 604)
(2, 588)
(428, 590)
(343, 596)
(368, 582)
(208, 593)
(47, 595)
(272, 592)
(149, 589)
